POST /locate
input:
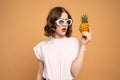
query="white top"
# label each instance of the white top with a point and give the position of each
(57, 56)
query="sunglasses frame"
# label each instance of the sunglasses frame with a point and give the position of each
(65, 21)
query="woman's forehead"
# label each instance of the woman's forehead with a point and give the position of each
(64, 16)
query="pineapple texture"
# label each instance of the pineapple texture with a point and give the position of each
(84, 26)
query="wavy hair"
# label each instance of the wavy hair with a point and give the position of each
(54, 14)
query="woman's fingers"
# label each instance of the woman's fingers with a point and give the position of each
(86, 37)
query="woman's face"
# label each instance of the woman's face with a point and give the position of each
(61, 29)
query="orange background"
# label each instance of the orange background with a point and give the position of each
(21, 27)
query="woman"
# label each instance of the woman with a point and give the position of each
(61, 56)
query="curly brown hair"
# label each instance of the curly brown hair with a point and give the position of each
(54, 14)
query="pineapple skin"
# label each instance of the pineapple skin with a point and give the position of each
(84, 27)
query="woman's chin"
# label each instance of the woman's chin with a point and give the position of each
(63, 34)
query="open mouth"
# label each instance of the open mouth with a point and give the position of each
(64, 29)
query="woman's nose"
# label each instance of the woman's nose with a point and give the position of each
(65, 24)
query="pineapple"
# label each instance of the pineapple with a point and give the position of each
(84, 26)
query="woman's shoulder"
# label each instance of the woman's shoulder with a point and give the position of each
(74, 38)
(41, 43)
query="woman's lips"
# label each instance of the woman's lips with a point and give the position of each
(64, 30)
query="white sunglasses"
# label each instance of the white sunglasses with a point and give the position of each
(61, 22)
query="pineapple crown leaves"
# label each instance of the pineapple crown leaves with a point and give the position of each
(84, 18)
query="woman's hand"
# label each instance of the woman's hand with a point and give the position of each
(86, 37)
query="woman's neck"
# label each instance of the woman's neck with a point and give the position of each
(59, 36)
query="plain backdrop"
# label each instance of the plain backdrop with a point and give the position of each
(22, 27)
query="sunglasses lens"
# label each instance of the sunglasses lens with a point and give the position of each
(61, 22)
(69, 22)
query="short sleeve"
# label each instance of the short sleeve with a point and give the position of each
(38, 52)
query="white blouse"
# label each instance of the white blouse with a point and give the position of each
(57, 56)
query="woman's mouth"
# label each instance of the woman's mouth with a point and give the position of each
(64, 30)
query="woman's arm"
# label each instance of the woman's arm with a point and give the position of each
(40, 70)
(78, 62)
